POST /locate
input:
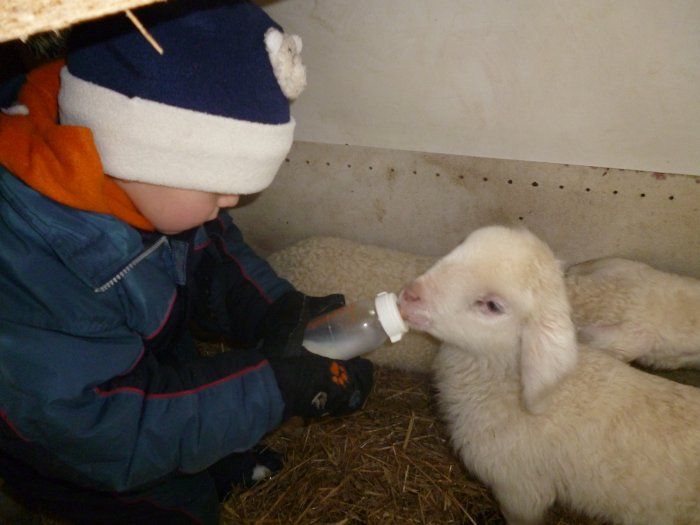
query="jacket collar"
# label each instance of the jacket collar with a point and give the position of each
(94, 246)
(98, 248)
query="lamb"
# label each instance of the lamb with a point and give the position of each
(533, 417)
(636, 312)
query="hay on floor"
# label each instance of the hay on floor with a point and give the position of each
(389, 463)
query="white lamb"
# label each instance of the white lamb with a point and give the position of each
(534, 418)
(636, 313)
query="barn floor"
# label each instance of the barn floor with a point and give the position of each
(390, 463)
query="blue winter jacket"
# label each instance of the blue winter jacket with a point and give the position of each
(98, 383)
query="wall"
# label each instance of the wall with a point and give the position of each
(426, 119)
(588, 82)
(426, 203)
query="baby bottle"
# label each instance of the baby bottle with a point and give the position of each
(356, 328)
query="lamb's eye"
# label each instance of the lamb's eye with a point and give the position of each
(489, 306)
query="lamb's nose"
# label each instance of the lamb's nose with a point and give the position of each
(413, 307)
(411, 293)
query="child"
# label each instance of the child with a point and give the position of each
(108, 415)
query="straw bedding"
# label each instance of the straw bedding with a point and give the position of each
(388, 464)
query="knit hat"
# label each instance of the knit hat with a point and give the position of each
(210, 114)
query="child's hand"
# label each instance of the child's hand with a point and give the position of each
(283, 328)
(311, 385)
(314, 386)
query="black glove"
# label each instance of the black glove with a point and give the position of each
(282, 329)
(314, 386)
(311, 385)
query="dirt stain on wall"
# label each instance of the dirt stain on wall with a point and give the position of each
(379, 209)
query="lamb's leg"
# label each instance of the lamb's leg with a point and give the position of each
(671, 362)
(624, 341)
(523, 505)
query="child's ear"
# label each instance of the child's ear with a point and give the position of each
(548, 353)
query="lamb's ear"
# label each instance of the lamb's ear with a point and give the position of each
(548, 353)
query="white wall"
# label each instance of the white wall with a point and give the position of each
(589, 82)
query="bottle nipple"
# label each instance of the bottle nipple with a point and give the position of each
(389, 316)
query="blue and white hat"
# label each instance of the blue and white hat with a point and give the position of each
(210, 114)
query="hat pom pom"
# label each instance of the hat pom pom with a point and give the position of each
(285, 56)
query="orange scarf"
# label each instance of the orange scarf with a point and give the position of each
(61, 162)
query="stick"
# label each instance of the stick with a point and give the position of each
(144, 32)
(408, 432)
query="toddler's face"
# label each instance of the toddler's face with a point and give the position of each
(173, 210)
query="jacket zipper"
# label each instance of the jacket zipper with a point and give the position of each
(140, 257)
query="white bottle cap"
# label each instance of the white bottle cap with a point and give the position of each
(389, 316)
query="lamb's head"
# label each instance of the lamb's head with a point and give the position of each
(501, 295)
